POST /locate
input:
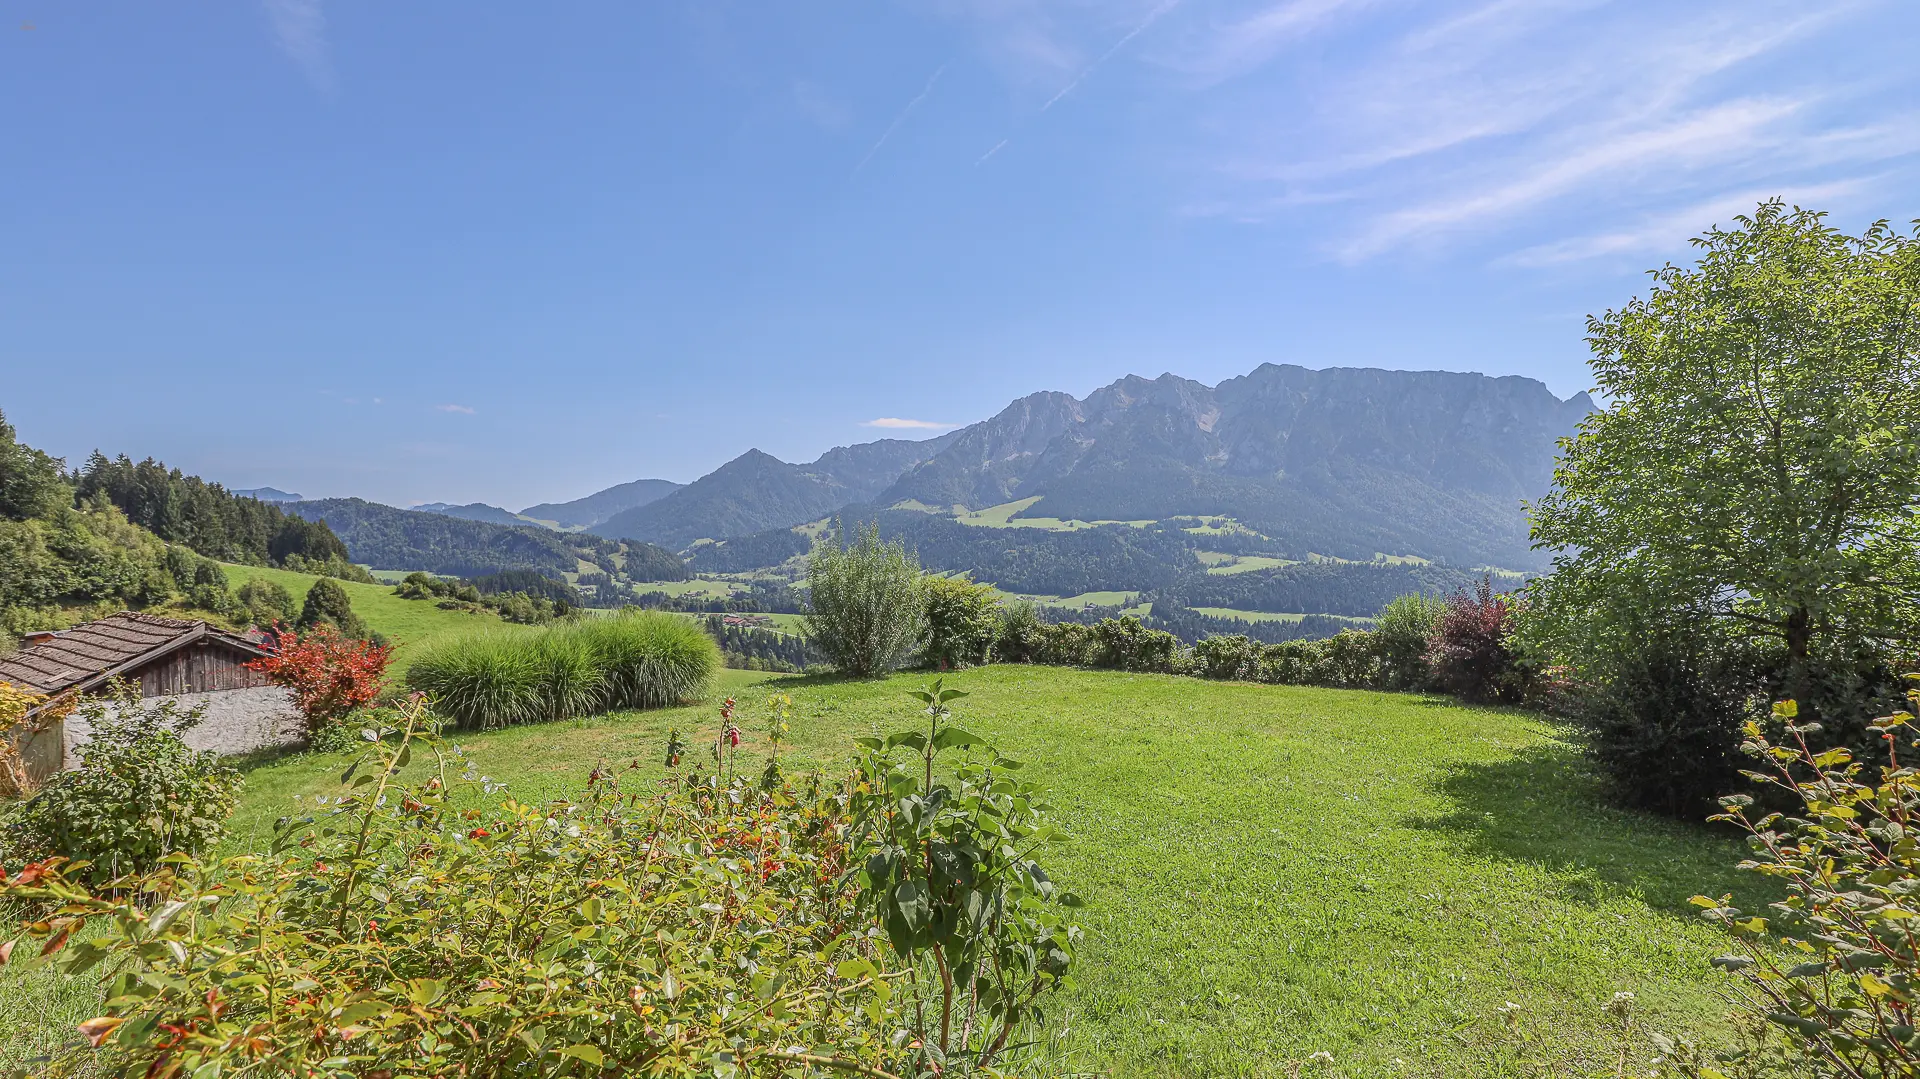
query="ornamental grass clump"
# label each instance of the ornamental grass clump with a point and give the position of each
(649, 659)
(498, 678)
(395, 931)
(486, 679)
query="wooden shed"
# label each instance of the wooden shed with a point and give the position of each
(167, 657)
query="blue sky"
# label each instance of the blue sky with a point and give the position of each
(513, 253)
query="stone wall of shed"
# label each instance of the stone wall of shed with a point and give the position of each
(236, 721)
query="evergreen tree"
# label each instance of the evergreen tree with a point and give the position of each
(30, 481)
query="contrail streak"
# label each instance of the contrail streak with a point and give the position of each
(900, 119)
(1151, 18)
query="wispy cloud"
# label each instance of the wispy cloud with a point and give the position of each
(902, 118)
(1518, 116)
(462, 409)
(1721, 133)
(1671, 231)
(1242, 45)
(896, 423)
(300, 26)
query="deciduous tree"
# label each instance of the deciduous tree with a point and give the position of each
(1759, 458)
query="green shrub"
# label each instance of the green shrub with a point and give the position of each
(1665, 713)
(495, 677)
(947, 871)
(139, 794)
(962, 623)
(1292, 663)
(1067, 644)
(866, 603)
(396, 932)
(1400, 636)
(265, 602)
(1229, 657)
(1128, 645)
(1833, 965)
(1019, 633)
(328, 602)
(1350, 659)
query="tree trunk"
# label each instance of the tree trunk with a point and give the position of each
(1800, 663)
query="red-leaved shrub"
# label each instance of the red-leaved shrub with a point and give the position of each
(1468, 653)
(330, 674)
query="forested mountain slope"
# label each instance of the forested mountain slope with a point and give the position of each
(1345, 462)
(388, 538)
(474, 511)
(757, 491)
(597, 507)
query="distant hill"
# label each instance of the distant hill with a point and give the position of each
(475, 511)
(385, 537)
(597, 507)
(757, 491)
(266, 494)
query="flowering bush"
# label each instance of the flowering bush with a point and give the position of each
(395, 933)
(330, 674)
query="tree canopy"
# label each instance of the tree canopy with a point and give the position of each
(1758, 459)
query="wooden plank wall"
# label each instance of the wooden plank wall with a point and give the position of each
(201, 668)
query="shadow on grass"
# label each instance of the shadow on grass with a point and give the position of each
(1545, 806)
(260, 758)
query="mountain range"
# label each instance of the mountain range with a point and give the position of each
(597, 507)
(1283, 463)
(560, 516)
(757, 491)
(268, 494)
(1349, 463)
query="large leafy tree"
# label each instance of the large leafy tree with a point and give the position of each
(1759, 458)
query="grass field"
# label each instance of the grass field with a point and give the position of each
(713, 587)
(404, 622)
(1002, 516)
(1270, 616)
(1242, 563)
(1272, 872)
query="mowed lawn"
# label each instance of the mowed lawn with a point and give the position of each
(1272, 872)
